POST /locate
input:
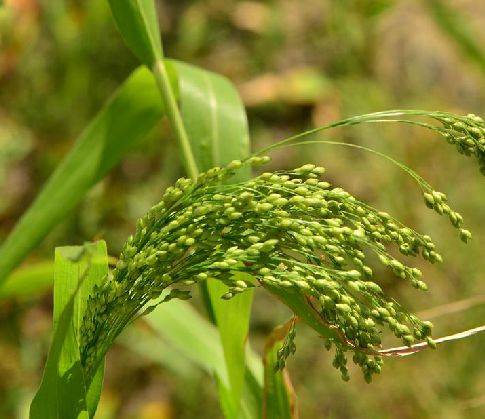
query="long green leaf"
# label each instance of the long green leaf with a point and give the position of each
(29, 281)
(151, 346)
(125, 120)
(215, 120)
(138, 23)
(181, 327)
(214, 117)
(63, 392)
(232, 319)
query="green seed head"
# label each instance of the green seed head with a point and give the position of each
(288, 231)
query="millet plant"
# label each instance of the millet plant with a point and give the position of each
(309, 243)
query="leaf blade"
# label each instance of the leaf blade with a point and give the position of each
(124, 121)
(183, 328)
(138, 24)
(215, 118)
(28, 281)
(63, 392)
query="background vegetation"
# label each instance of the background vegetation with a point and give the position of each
(297, 65)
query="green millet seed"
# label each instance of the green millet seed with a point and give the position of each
(292, 232)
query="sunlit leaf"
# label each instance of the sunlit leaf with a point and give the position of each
(178, 325)
(131, 113)
(63, 392)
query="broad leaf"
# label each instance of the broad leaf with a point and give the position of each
(214, 117)
(63, 392)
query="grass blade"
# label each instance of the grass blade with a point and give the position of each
(138, 24)
(180, 326)
(63, 392)
(125, 120)
(28, 282)
(151, 346)
(215, 118)
(232, 319)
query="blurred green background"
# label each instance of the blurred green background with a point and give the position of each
(297, 64)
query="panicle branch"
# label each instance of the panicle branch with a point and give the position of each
(288, 231)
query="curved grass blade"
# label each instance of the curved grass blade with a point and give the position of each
(29, 281)
(179, 325)
(232, 320)
(63, 392)
(214, 117)
(125, 120)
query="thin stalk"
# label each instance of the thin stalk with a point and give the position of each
(175, 118)
(425, 186)
(371, 117)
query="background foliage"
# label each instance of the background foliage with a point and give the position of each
(296, 64)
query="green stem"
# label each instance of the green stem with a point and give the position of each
(371, 117)
(175, 118)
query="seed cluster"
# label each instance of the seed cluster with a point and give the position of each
(287, 348)
(286, 231)
(467, 133)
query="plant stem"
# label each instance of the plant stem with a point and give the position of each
(175, 118)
